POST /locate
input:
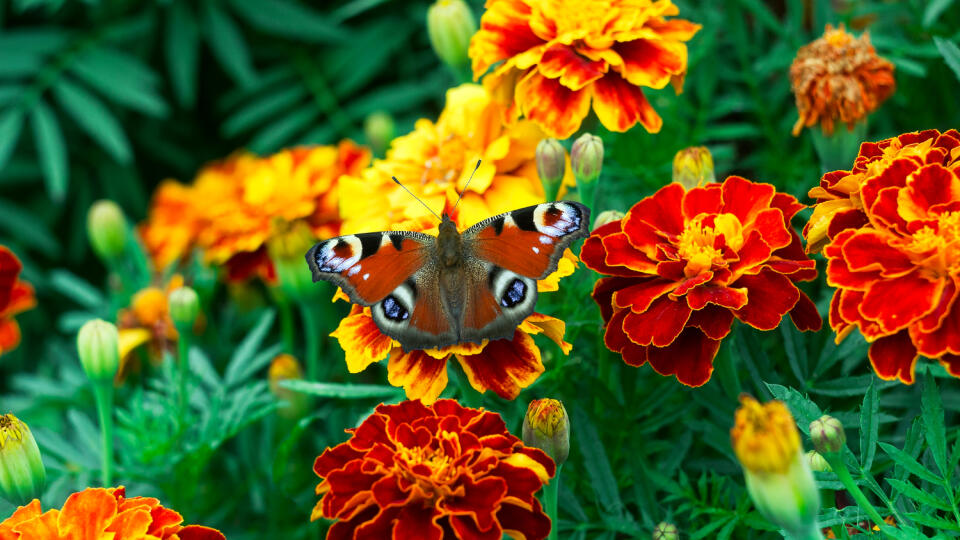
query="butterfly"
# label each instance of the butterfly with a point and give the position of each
(434, 291)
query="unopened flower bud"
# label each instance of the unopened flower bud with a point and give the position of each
(665, 531)
(607, 216)
(379, 129)
(767, 444)
(106, 229)
(287, 249)
(285, 367)
(693, 167)
(97, 345)
(547, 427)
(184, 306)
(827, 434)
(22, 475)
(586, 158)
(817, 462)
(551, 166)
(450, 25)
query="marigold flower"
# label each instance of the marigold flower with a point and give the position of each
(235, 206)
(767, 444)
(559, 55)
(546, 426)
(22, 475)
(16, 296)
(438, 472)
(683, 264)
(97, 513)
(838, 77)
(893, 227)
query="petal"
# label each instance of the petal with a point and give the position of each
(660, 211)
(87, 513)
(745, 199)
(362, 341)
(523, 523)
(652, 63)
(714, 321)
(728, 297)
(197, 532)
(944, 338)
(951, 362)
(930, 186)
(702, 200)
(417, 521)
(603, 291)
(869, 250)
(43, 526)
(552, 106)
(9, 335)
(896, 303)
(805, 315)
(133, 523)
(573, 71)
(551, 327)
(620, 252)
(894, 357)
(422, 376)
(769, 297)
(638, 297)
(504, 366)
(478, 503)
(689, 357)
(504, 32)
(659, 325)
(619, 105)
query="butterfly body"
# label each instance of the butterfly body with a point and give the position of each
(432, 292)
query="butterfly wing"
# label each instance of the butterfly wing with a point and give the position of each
(505, 255)
(394, 273)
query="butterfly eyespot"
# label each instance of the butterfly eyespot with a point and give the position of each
(515, 293)
(393, 310)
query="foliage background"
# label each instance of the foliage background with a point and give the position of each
(105, 99)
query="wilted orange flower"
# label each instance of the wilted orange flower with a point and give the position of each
(436, 472)
(16, 296)
(98, 513)
(838, 77)
(894, 250)
(683, 264)
(235, 207)
(558, 55)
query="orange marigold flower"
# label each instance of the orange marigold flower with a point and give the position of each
(97, 513)
(235, 207)
(435, 472)
(558, 55)
(16, 296)
(683, 264)
(893, 224)
(838, 77)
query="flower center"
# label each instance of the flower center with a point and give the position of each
(701, 245)
(938, 249)
(438, 462)
(765, 437)
(9, 430)
(446, 164)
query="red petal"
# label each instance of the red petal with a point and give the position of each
(870, 250)
(421, 375)
(951, 362)
(689, 357)
(896, 303)
(805, 315)
(638, 297)
(573, 70)
(659, 325)
(197, 532)
(745, 199)
(603, 291)
(619, 105)
(614, 337)
(594, 254)
(770, 224)
(415, 521)
(479, 502)
(466, 529)
(727, 297)
(387, 491)
(755, 251)
(519, 522)
(651, 62)
(946, 338)
(893, 175)
(769, 297)
(930, 186)
(702, 200)
(620, 252)
(554, 107)
(846, 219)
(894, 357)
(660, 210)
(345, 529)
(714, 321)
(504, 366)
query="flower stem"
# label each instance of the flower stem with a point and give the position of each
(843, 474)
(286, 326)
(311, 328)
(183, 371)
(550, 494)
(838, 150)
(103, 392)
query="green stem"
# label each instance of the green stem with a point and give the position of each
(103, 392)
(838, 150)
(550, 495)
(286, 326)
(311, 330)
(843, 474)
(183, 373)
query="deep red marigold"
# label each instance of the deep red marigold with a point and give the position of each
(434, 472)
(683, 264)
(893, 225)
(16, 296)
(98, 513)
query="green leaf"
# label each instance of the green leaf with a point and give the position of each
(869, 425)
(803, 410)
(259, 110)
(35, 40)
(950, 53)
(182, 47)
(934, 429)
(933, 521)
(53, 152)
(26, 228)
(910, 464)
(19, 64)
(227, 43)
(91, 115)
(275, 134)
(342, 391)
(11, 122)
(289, 19)
(77, 289)
(597, 465)
(913, 492)
(201, 366)
(934, 9)
(121, 78)
(248, 347)
(238, 373)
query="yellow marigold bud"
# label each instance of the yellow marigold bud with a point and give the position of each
(766, 441)
(586, 158)
(827, 434)
(285, 367)
(665, 531)
(287, 249)
(547, 427)
(106, 229)
(551, 166)
(816, 462)
(450, 25)
(607, 216)
(693, 167)
(22, 475)
(97, 344)
(379, 129)
(184, 306)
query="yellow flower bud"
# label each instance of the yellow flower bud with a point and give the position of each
(551, 166)
(287, 249)
(450, 25)
(766, 441)
(285, 367)
(184, 306)
(693, 167)
(607, 216)
(547, 427)
(586, 158)
(106, 229)
(22, 475)
(379, 129)
(827, 434)
(97, 344)
(665, 531)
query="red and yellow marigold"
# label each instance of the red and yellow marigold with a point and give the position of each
(684, 264)
(16, 296)
(892, 232)
(838, 78)
(552, 58)
(237, 206)
(436, 472)
(99, 513)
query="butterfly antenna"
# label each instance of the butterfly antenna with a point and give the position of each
(466, 185)
(415, 197)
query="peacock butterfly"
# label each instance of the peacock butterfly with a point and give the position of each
(435, 291)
